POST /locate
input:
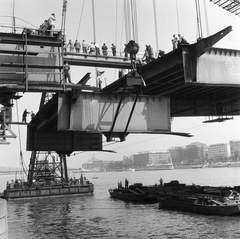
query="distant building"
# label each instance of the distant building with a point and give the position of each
(218, 151)
(202, 149)
(143, 159)
(177, 155)
(93, 165)
(165, 157)
(128, 161)
(235, 150)
(97, 165)
(193, 153)
(87, 166)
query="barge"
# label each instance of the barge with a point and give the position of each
(47, 179)
(47, 191)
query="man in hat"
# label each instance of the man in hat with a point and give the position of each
(51, 24)
(66, 69)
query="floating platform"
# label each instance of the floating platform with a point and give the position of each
(47, 191)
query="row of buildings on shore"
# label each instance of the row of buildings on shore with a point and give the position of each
(194, 154)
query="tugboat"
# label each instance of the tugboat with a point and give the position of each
(46, 179)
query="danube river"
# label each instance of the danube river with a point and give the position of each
(99, 216)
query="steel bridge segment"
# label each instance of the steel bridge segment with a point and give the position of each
(35, 40)
(180, 75)
(75, 121)
(232, 6)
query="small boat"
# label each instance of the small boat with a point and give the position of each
(201, 204)
(136, 193)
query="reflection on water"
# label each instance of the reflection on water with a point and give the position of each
(98, 216)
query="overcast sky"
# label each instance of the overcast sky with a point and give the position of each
(172, 16)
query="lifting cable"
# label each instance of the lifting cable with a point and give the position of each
(155, 23)
(116, 30)
(177, 17)
(199, 21)
(22, 163)
(134, 20)
(126, 17)
(80, 20)
(206, 17)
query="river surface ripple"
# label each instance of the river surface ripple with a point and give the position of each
(99, 216)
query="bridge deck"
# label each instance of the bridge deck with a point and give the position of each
(80, 59)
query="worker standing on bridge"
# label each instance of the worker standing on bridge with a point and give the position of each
(84, 46)
(65, 47)
(92, 48)
(66, 69)
(174, 42)
(70, 45)
(77, 46)
(24, 116)
(97, 49)
(125, 52)
(51, 24)
(104, 49)
(32, 115)
(114, 50)
(182, 40)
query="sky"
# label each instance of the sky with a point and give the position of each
(173, 17)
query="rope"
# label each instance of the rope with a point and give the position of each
(80, 20)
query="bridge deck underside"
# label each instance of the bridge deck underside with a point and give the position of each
(196, 99)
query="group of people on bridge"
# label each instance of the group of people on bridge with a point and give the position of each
(93, 48)
(178, 40)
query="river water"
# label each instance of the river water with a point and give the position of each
(99, 216)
